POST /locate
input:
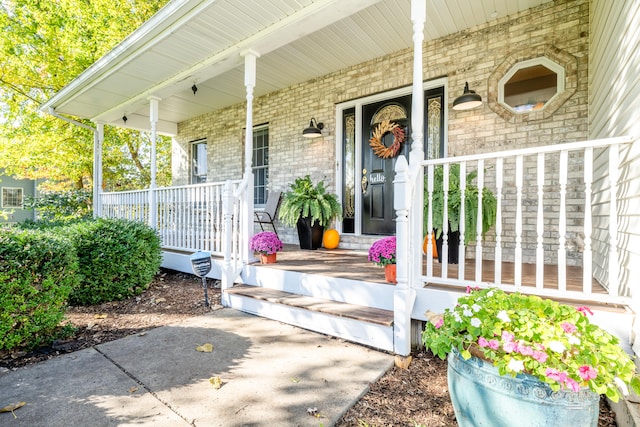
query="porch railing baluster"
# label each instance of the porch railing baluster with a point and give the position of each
(562, 226)
(587, 256)
(518, 249)
(498, 250)
(445, 222)
(461, 221)
(479, 221)
(540, 224)
(614, 175)
(430, 235)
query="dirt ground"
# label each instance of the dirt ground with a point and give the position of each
(412, 397)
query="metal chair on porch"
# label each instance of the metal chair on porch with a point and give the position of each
(268, 214)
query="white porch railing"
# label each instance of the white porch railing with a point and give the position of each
(189, 218)
(555, 206)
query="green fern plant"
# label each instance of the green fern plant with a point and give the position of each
(489, 203)
(307, 200)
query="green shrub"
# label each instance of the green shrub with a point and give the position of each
(64, 205)
(118, 259)
(38, 271)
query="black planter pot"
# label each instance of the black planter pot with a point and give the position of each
(310, 236)
(454, 242)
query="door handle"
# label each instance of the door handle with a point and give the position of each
(365, 181)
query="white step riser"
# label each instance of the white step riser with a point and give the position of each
(376, 336)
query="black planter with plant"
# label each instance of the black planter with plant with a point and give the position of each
(310, 208)
(489, 207)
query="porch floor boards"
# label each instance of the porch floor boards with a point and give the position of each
(340, 309)
(353, 264)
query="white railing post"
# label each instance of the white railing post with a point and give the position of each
(431, 236)
(227, 214)
(153, 204)
(404, 295)
(444, 256)
(98, 138)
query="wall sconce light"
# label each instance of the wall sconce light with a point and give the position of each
(194, 88)
(124, 119)
(313, 131)
(469, 99)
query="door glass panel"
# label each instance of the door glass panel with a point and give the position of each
(349, 171)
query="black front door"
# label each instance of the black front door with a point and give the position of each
(387, 122)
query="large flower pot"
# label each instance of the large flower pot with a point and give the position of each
(483, 397)
(453, 244)
(310, 236)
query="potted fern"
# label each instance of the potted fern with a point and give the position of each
(489, 207)
(310, 208)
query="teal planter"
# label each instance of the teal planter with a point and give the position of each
(483, 397)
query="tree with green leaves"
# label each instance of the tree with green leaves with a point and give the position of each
(43, 46)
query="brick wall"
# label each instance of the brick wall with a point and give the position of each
(471, 55)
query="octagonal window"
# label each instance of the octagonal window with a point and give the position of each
(529, 85)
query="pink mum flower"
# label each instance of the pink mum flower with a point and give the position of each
(585, 310)
(569, 328)
(587, 373)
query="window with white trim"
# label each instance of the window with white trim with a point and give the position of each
(260, 165)
(12, 197)
(199, 161)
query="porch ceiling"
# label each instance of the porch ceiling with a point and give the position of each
(200, 42)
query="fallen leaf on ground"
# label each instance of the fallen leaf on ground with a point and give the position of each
(100, 316)
(161, 300)
(133, 389)
(216, 382)
(295, 380)
(205, 348)
(12, 407)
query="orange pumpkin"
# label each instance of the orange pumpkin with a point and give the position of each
(331, 239)
(425, 242)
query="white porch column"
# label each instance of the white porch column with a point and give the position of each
(250, 57)
(418, 18)
(98, 139)
(153, 118)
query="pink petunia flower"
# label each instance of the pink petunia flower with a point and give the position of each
(439, 323)
(506, 336)
(482, 342)
(494, 344)
(572, 384)
(587, 373)
(569, 328)
(585, 310)
(540, 356)
(525, 350)
(509, 346)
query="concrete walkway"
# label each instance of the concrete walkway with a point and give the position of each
(272, 375)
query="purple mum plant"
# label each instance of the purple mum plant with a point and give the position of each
(266, 243)
(383, 251)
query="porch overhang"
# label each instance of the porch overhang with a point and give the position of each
(200, 42)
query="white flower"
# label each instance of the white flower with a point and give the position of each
(467, 312)
(476, 308)
(502, 315)
(456, 317)
(515, 365)
(490, 293)
(557, 346)
(476, 322)
(573, 340)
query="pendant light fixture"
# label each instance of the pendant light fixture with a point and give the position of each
(468, 100)
(314, 129)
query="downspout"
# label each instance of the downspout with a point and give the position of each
(98, 135)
